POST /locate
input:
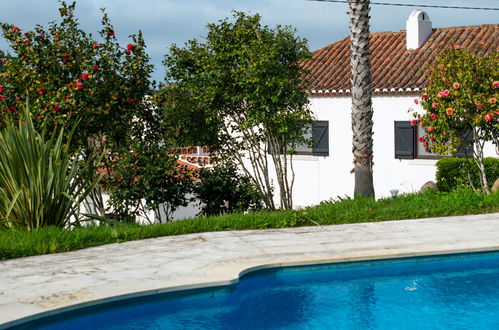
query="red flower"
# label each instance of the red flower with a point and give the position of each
(488, 117)
(425, 96)
(18, 98)
(56, 107)
(65, 57)
(416, 101)
(110, 33)
(425, 144)
(132, 100)
(95, 46)
(56, 39)
(39, 117)
(96, 68)
(414, 122)
(42, 91)
(79, 85)
(27, 42)
(421, 139)
(3, 60)
(23, 122)
(23, 57)
(2, 97)
(127, 52)
(1, 89)
(457, 47)
(16, 29)
(84, 76)
(130, 47)
(119, 180)
(12, 108)
(432, 116)
(495, 83)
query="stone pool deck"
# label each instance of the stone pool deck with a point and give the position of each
(43, 283)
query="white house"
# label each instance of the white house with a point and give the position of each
(397, 61)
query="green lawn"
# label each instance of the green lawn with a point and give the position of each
(16, 243)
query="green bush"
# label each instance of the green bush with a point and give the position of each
(222, 190)
(453, 172)
(40, 178)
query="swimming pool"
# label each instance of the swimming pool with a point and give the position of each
(438, 292)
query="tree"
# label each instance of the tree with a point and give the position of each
(460, 104)
(68, 76)
(242, 86)
(362, 123)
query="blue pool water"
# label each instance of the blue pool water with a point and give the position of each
(447, 292)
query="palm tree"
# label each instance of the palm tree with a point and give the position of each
(362, 124)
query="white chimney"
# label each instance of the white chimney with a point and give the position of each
(418, 29)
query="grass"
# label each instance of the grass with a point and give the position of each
(18, 243)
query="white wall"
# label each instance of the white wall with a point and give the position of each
(323, 178)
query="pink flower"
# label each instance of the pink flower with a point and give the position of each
(96, 68)
(434, 105)
(456, 85)
(440, 94)
(495, 84)
(425, 144)
(416, 101)
(414, 122)
(3, 60)
(432, 116)
(446, 92)
(479, 105)
(492, 100)
(430, 129)
(39, 117)
(79, 85)
(421, 139)
(84, 76)
(18, 98)
(457, 46)
(425, 96)
(488, 117)
(119, 180)
(23, 57)
(42, 91)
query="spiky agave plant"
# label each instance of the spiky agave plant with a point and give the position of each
(41, 181)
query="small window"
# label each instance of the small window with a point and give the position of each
(408, 146)
(320, 136)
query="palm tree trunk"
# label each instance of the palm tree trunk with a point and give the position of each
(362, 124)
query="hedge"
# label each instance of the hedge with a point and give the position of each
(453, 172)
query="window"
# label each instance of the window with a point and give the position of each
(320, 135)
(407, 145)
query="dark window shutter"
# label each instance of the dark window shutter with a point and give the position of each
(405, 140)
(320, 135)
(466, 148)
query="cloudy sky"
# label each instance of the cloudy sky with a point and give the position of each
(164, 22)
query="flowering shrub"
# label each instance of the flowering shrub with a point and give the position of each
(69, 76)
(461, 96)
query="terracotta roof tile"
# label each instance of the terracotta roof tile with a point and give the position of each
(393, 67)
